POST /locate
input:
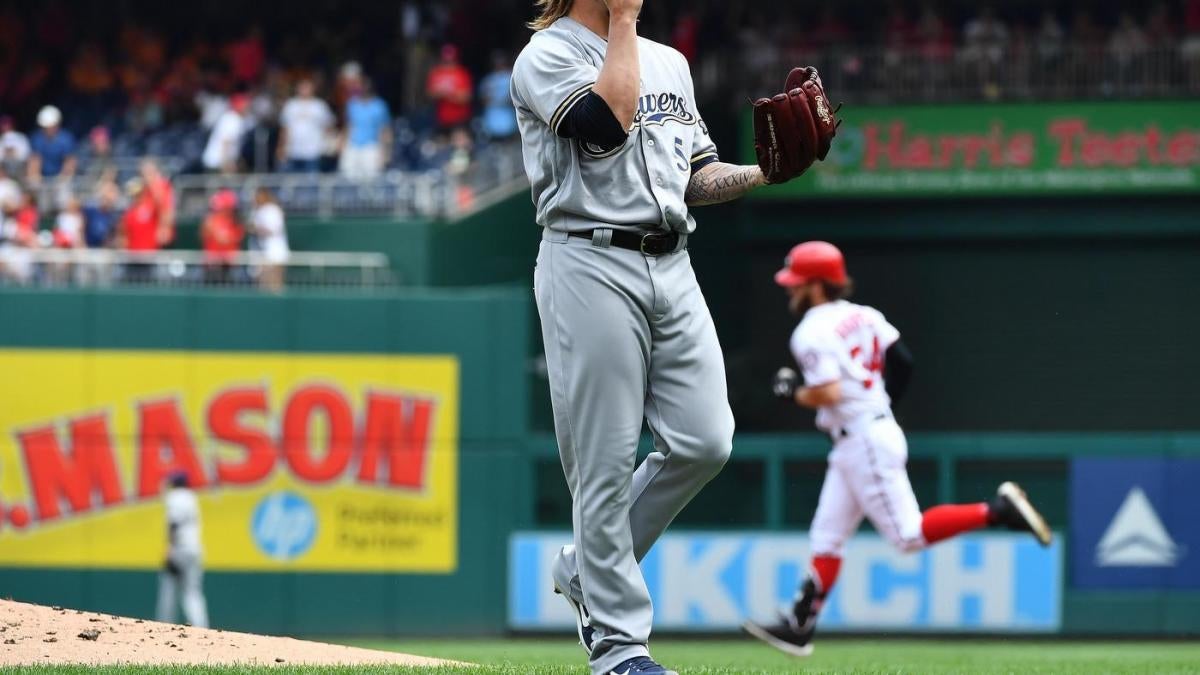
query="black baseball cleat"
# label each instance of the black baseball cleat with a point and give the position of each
(786, 635)
(1012, 509)
(640, 665)
(583, 621)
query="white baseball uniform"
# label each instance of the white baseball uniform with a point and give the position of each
(844, 342)
(184, 564)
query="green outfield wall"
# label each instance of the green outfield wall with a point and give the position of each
(507, 474)
(1049, 326)
(484, 331)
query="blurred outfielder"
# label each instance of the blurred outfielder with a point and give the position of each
(854, 366)
(183, 568)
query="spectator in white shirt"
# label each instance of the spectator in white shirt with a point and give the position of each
(68, 225)
(224, 147)
(14, 146)
(10, 190)
(270, 232)
(985, 37)
(303, 125)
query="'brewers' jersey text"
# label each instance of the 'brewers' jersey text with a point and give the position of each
(637, 186)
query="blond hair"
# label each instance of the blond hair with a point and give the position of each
(550, 11)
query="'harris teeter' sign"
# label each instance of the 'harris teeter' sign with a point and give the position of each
(1012, 149)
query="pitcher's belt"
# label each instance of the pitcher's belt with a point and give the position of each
(647, 243)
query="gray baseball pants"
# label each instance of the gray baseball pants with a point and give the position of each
(628, 337)
(185, 572)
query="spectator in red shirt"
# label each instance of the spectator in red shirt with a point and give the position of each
(897, 29)
(686, 35)
(247, 57)
(934, 36)
(1191, 19)
(138, 231)
(449, 86)
(831, 31)
(27, 219)
(160, 189)
(222, 236)
(139, 226)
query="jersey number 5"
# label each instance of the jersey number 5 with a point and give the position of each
(681, 156)
(873, 362)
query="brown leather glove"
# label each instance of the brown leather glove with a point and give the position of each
(794, 129)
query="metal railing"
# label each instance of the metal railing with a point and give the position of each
(105, 268)
(399, 194)
(879, 74)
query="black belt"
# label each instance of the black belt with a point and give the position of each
(652, 244)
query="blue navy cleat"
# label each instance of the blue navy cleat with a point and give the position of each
(640, 665)
(583, 621)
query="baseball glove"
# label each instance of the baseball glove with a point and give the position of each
(794, 129)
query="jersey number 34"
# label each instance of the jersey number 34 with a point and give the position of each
(873, 362)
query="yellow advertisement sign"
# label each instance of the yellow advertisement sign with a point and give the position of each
(301, 462)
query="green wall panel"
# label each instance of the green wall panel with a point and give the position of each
(485, 328)
(496, 245)
(326, 324)
(510, 478)
(50, 319)
(142, 320)
(240, 321)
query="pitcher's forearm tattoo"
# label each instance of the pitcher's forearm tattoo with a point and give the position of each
(718, 183)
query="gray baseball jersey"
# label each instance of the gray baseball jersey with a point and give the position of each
(628, 336)
(637, 186)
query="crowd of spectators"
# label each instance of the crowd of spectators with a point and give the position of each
(137, 217)
(356, 87)
(951, 51)
(353, 88)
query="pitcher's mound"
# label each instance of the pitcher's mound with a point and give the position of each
(32, 635)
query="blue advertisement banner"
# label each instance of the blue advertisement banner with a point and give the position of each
(1135, 524)
(712, 582)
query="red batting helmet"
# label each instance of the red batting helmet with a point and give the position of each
(812, 260)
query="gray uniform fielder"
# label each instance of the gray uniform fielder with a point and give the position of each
(183, 570)
(628, 336)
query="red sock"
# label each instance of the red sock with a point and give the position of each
(825, 570)
(947, 520)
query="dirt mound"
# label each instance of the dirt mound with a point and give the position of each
(33, 634)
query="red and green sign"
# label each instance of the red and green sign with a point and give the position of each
(1012, 149)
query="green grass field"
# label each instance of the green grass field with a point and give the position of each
(719, 657)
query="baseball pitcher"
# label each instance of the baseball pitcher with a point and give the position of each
(617, 155)
(854, 365)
